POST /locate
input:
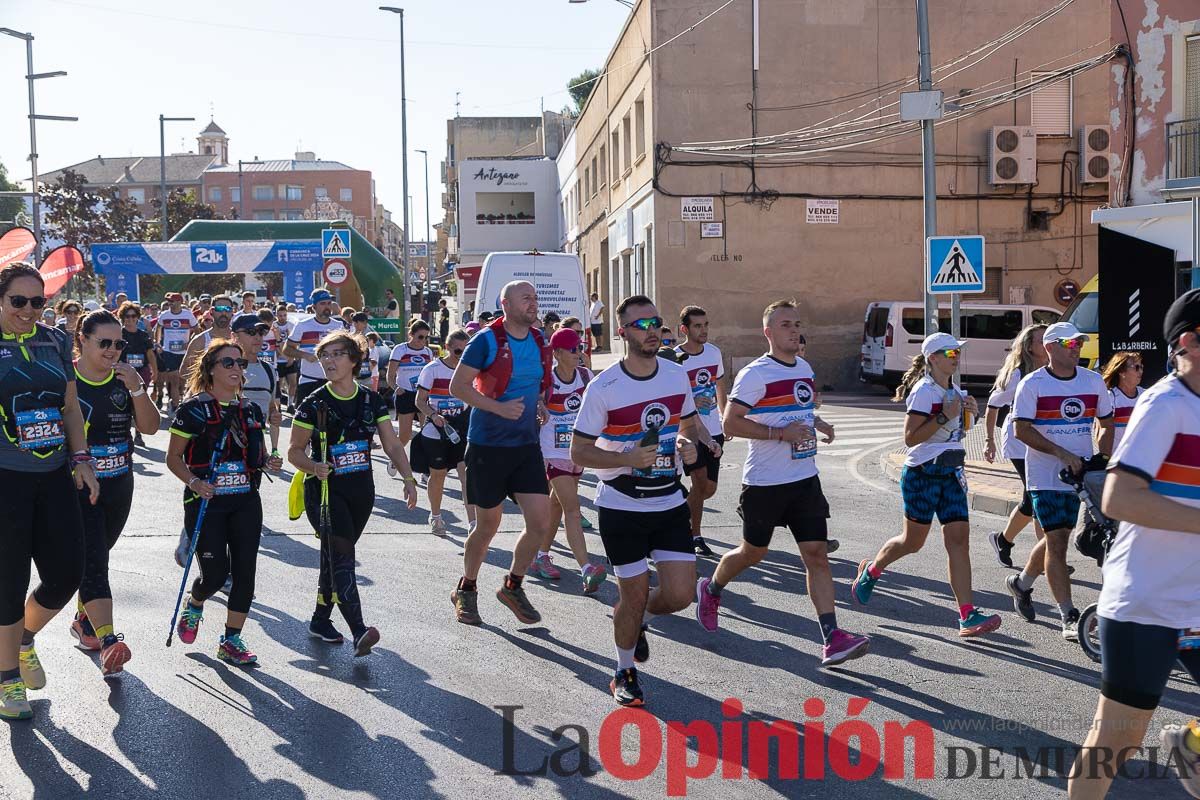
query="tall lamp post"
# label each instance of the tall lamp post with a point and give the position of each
(403, 143)
(30, 77)
(428, 243)
(162, 164)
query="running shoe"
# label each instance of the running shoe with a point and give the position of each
(365, 641)
(1187, 763)
(585, 523)
(1022, 598)
(324, 630)
(466, 606)
(978, 623)
(843, 646)
(437, 525)
(81, 629)
(14, 704)
(543, 567)
(831, 546)
(114, 654)
(234, 650)
(1003, 548)
(701, 547)
(593, 576)
(31, 668)
(863, 584)
(519, 604)
(189, 621)
(625, 689)
(641, 650)
(1070, 625)
(707, 606)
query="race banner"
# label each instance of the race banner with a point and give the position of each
(58, 266)
(15, 245)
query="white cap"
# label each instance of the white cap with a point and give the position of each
(1062, 330)
(91, 305)
(939, 341)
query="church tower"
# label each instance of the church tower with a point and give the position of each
(212, 141)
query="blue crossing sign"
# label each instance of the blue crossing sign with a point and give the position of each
(335, 243)
(954, 264)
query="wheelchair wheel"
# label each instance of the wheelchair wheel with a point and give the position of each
(1089, 633)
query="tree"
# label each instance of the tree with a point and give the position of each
(581, 87)
(182, 207)
(10, 207)
(73, 212)
(123, 216)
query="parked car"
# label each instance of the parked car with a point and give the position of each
(893, 330)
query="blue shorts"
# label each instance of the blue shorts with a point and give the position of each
(931, 490)
(1055, 511)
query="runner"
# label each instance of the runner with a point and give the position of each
(404, 368)
(772, 406)
(932, 481)
(1054, 410)
(706, 371)
(289, 368)
(636, 425)
(302, 342)
(585, 358)
(112, 397)
(1149, 608)
(504, 457)
(139, 351)
(377, 358)
(248, 303)
(270, 344)
(172, 333)
(596, 320)
(43, 437)
(215, 414)
(1024, 357)
(368, 371)
(221, 315)
(438, 448)
(260, 383)
(1123, 377)
(340, 419)
(569, 380)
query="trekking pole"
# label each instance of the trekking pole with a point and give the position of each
(323, 428)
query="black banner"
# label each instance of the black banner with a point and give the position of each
(1137, 286)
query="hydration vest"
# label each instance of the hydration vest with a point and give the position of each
(492, 381)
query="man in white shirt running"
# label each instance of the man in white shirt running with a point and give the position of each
(306, 335)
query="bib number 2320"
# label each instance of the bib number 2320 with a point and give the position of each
(231, 478)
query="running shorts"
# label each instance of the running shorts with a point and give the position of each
(406, 402)
(931, 490)
(706, 460)
(286, 368)
(557, 467)
(1137, 661)
(494, 473)
(799, 506)
(1055, 511)
(1026, 506)
(171, 362)
(630, 537)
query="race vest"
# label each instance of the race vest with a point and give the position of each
(492, 381)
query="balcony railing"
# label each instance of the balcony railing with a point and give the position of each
(1183, 153)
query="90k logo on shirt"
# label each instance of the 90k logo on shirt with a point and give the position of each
(1072, 408)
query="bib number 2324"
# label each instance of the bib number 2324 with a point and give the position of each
(40, 429)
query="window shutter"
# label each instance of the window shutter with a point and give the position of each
(1192, 85)
(1050, 108)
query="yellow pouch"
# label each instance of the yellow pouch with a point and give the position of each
(296, 496)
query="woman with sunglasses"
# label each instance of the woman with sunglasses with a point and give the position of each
(404, 369)
(1123, 377)
(139, 349)
(69, 315)
(43, 443)
(339, 420)
(932, 482)
(216, 425)
(443, 413)
(112, 397)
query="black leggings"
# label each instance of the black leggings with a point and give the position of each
(41, 524)
(351, 499)
(102, 525)
(228, 545)
(1137, 660)
(1026, 506)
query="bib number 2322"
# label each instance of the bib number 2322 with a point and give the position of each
(350, 457)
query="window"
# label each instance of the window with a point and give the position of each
(603, 164)
(1004, 325)
(295, 192)
(291, 213)
(264, 193)
(345, 195)
(627, 135)
(595, 177)
(321, 193)
(260, 214)
(876, 325)
(1041, 317)
(639, 126)
(1191, 82)
(136, 195)
(214, 194)
(1050, 107)
(616, 155)
(587, 186)
(913, 321)
(1084, 313)
(235, 195)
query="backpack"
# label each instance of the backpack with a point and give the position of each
(492, 381)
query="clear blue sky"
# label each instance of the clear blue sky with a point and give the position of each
(282, 75)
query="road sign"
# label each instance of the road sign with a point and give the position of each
(712, 230)
(954, 264)
(335, 243)
(1065, 291)
(337, 270)
(382, 325)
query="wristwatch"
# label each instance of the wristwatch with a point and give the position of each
(941, 418)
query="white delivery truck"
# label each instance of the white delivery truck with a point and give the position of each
(558, 278)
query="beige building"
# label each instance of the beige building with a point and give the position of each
(831, 212)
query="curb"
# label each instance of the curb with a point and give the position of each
(988, 501)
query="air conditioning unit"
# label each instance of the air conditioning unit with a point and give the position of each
(1012, 155)
(1093, 153)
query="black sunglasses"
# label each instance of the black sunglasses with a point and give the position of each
(20, 300)
(229, 363)
(130, 316)
(458, 351)
(261, 329)
(105, 344)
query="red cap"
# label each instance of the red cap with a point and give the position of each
(564, 339)
(174, 297)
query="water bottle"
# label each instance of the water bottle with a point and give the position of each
(649, 439)
(451, 433)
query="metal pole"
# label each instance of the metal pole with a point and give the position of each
(929, 166)
(162, 172)
(33, 154)
(428, 228)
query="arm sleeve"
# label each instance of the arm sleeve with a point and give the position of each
(479, 353)
(295, 334)
(1149, 437)
(1025, 402)
(593, 413)
(748, 388)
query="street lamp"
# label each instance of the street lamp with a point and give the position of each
(30, 77)
(428, 243)
(403, 142)
(162, 164)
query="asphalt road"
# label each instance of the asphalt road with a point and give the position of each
(425, 715)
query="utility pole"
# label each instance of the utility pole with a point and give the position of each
(403, 144)
(929, 170)
(428, 228)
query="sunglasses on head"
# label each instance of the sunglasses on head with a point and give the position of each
(646, 324)
(1070, 344)
(20, 301)
(105, 344)
(229, 363)
(223, 309)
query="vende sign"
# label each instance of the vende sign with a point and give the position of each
(822, 212)
(696, 209)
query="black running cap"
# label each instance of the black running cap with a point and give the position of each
(1182, 316)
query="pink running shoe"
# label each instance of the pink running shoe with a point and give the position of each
(593, 576)
(844, 646)
(543, 567)
(81, 629)
(707, 606)
(189, 621)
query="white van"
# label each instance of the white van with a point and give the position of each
(558, 278)
(893, 331)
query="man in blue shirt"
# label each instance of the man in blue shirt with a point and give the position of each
(504, 456)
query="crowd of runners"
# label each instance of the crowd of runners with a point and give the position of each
(511, 405)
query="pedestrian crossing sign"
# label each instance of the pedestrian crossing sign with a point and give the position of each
(954, 264)
(335, 243)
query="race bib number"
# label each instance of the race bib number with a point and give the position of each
(231, 478)
(562, 436)
(267, 357)
(364, 369)
(413, 382)
(136, 360)
(805, 448)
(176, 345)
(664, 461)
(111, 460)
(449, 408)
(350, 457)
(1189, 639)
(40, 429)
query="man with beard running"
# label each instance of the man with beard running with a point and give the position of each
(222, 316)
(306, 334)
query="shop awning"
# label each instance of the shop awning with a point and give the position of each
(1164, 224)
